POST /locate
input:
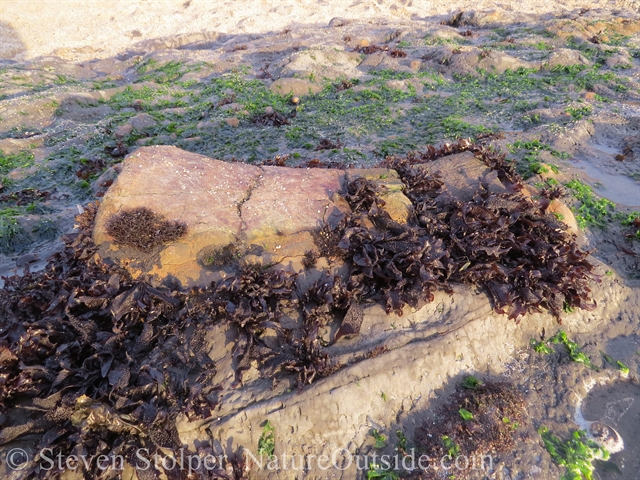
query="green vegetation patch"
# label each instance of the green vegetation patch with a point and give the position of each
(12, 235)
(593, 210)
(573, 349)
(167, 72)
(616, 363)
(575, 353)
(528, 160)
(578, 112)
(576, 454)
(267, 441)
(631, 220)
(10, 161)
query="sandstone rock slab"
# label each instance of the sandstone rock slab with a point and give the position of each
(287, 201)
(268, 214)
(183, 186)
(565, 57)
(467, 60)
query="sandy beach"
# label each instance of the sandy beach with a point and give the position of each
(82, 30)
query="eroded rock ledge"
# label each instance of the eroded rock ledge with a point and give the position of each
(395, 364)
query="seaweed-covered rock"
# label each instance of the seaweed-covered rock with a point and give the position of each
(230, 213)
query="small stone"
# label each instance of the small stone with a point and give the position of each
(27, 258)
(397, 84)
(294, 86)
(565, 57)
(564, 214)
(124, 130)
(372, 60)
(235, 107)
(268, 110)
(207, 125)
(363, 43)
(232, 122)
(142, 121)
(338, 22)
(604, 91)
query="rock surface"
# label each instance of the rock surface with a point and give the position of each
(274, 208)
(295, 86)
(222, 203)
(446, 338)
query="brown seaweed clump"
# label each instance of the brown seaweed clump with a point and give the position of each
(143, 229)
(477, 420)
(369, 49)
(505, 243)
(272, 119)
(397, 53)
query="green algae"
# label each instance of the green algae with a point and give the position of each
(576, 454)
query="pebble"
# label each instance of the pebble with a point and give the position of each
(124, 130)
(338, 22)
(27, 258)
(232, 122)
(142, 121)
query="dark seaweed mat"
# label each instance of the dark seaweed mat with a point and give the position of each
(143, 229)
(96, 362)
(504, 243)
(498, 410)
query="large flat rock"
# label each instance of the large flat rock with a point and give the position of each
(267, 213)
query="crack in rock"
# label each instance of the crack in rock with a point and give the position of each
(255, 183)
